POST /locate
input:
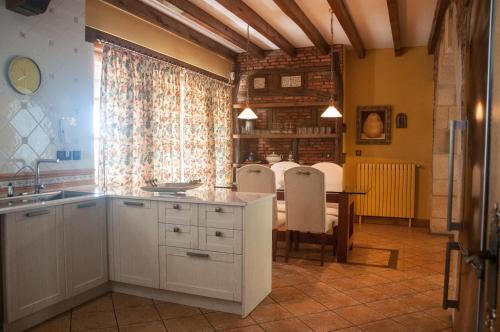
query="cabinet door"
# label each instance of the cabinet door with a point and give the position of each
(203, 273)
(33, 261)
(135, 239)
(85, 244)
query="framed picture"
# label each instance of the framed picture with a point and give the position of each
(373, 125)
(259, 83)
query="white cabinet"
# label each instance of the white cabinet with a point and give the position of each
(33, 258)
(204, 273)
(85, 245)
(135, 242)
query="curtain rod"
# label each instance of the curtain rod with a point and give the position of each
(130, 49)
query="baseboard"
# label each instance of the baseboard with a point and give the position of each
(424, 223)
(54, 310)
(180, 298)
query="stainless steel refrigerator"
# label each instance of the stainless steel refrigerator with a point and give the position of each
(476, 242)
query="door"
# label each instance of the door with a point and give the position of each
(34, 254)
(135, 239)
(86, 248)
(472, 236)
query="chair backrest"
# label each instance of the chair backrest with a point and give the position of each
(333, 175)
(305, 199)
(258, 179)
(279, 169)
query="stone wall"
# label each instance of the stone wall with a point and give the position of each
(448, 106)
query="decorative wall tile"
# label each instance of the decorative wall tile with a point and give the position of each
(10, 140)
(38, 140)
(23, 122)
(25, 155)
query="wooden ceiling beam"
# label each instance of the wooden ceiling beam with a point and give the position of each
(293, 11)
(393, 7)
(345, 20)
(437, 22)
(203, 18)
(247, 14)
(165, 22)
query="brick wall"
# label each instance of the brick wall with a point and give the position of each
(318, 86)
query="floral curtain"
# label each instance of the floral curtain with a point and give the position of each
(139, 120)
(161, 121)
(207, 140)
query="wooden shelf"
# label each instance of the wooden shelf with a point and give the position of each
(282, 105)
(256, 136)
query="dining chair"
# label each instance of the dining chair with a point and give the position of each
(279, 169)
(261, 179)
(305, 199)
(333, 182)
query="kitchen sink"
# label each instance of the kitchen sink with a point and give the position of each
(37, 198)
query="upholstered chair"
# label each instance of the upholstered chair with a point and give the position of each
(261, 179)
(333, 182)
(279, 169)
(305, 199)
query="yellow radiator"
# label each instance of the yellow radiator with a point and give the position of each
(391, 190)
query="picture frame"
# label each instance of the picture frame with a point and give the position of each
(373, 124)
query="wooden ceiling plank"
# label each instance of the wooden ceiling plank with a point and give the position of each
(437, 22)
(345, 20)
(393, 7)
(249, 16)
(293, 11)
(165, 22)
(203, 18)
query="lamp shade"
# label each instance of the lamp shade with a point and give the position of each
(247, 114)
(331, 112)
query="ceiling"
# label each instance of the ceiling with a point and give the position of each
(370, 17)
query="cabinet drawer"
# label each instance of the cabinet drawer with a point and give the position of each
(181, 236)
(220, 216)
(179, 213)
(221, 240)
(201, 273)
(134, 203)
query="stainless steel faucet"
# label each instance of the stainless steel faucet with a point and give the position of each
(39, 186)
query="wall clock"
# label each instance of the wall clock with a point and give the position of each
(24, 75)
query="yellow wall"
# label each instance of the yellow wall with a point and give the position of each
(107, 18)
(405, 83)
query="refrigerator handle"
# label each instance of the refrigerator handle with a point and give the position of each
(447, 303)
(454, 126)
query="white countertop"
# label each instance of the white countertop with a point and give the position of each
(200, 196)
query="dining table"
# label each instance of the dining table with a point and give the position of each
(345, 198)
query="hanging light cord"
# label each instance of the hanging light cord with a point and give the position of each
(331, 52)
(248, 64)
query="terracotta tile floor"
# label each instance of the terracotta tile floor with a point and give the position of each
(305, 296)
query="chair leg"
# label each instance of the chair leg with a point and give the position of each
(334, 241)
(297, 240)
(323, 243)
(275, 244)
(287, 244)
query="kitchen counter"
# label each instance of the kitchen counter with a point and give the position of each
(200, 196)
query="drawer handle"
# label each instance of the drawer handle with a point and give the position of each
(177, 230)
(219, 234)
(197, 254)
(133, 203)
(86, 205)
(218, 209)
(177, 207)
(37, 213)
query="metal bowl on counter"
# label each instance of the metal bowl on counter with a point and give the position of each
(170, 187)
